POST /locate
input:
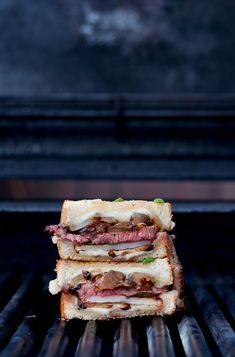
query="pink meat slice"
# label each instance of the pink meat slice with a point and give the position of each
(145, 233)
(88, 290)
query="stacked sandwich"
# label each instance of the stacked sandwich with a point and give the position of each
(117, 260)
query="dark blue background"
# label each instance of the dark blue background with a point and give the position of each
(152, 46)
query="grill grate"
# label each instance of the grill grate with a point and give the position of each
(29, 323)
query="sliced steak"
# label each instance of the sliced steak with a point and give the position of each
(144, 233)
(88, 290)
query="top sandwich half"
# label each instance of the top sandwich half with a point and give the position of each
(78, 214)
(91, 229)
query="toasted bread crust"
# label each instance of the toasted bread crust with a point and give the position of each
(177, 271)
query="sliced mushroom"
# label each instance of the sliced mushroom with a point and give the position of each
(101, 227)
(109, 280)
(138, 218)
(87, 229)
(96, 226)
(119, 227)
(141, 280)
(109, 220)
(112, 253)
(79, 279)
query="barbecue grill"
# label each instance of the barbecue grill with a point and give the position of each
(180, 138)
(56, 57)
(30, 325)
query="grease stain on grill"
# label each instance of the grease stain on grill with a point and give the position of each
(30, 324)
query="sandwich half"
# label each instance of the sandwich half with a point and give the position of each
(96, 230)
(119, 290)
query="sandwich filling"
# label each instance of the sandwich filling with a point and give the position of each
(107, 230)
(113, 287)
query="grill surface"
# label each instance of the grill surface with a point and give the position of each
(29, 323)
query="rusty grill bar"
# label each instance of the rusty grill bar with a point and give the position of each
(29, 323)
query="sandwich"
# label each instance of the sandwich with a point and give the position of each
(96, 230)
(117, 260)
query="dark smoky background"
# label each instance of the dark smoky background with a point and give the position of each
(62, 49)
(153, 46)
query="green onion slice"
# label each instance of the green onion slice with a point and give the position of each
(148, 260)
(119, 199)
(158, 200)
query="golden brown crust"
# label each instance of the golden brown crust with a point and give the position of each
(177, 271)
(62, 306)
(66, 299)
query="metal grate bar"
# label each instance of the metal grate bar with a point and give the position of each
(56, 340)
(7, 287)
(221, 330)
(23, 339)
(124, 343)
(207, 329)
(12, 312)
(192, 338)
(89, 344)
(158, 338)
(32, 326)
(227, 293)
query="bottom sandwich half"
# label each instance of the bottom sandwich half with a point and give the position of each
(103, 290)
